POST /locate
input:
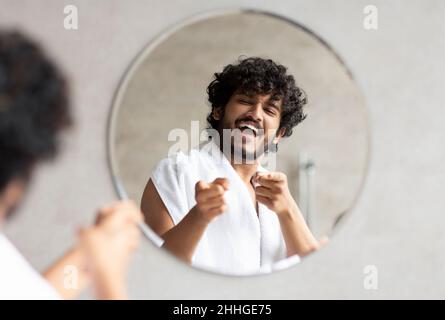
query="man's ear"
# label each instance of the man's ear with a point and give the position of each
(10, 196)
(279, 135)
(216, 113)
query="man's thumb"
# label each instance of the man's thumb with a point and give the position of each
(201, 185)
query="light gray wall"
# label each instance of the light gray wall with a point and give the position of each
(398, 222)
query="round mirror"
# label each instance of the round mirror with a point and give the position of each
(161, 110)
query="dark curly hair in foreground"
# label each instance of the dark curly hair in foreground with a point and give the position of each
(258, 76)
(33, 106)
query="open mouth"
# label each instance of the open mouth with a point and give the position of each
(248, 129)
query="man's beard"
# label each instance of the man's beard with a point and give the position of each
(240, 153)
(11, 212)
(246, 154)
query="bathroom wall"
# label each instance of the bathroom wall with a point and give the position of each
(398, 222)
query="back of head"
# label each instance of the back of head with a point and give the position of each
(33, 106)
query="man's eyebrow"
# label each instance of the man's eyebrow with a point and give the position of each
(249, 95)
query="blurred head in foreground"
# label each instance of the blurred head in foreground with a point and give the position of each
(34, 109)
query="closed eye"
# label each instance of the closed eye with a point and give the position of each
(271, 110)
(243, 101)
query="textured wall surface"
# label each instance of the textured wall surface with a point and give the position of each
(398, 222)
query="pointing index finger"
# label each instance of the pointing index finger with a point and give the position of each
(269, 176)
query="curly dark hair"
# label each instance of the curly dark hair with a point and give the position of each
(33, 106)
(256, 75)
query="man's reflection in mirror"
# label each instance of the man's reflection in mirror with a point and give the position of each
(216, 206)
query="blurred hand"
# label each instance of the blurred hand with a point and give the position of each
(209, 197)
(108, 244)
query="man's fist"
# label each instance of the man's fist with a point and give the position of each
(209, 198)
(273, 191)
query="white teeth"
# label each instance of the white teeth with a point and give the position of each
(251, 127)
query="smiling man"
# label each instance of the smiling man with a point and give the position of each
(216, 207)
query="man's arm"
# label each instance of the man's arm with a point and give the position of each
(113, 237)
(73, 261)
(108, 247)
(297, 236)
(182, 239)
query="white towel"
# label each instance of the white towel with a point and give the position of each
(238, 242)
(18, 280)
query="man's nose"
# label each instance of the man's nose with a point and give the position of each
(256, 112)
